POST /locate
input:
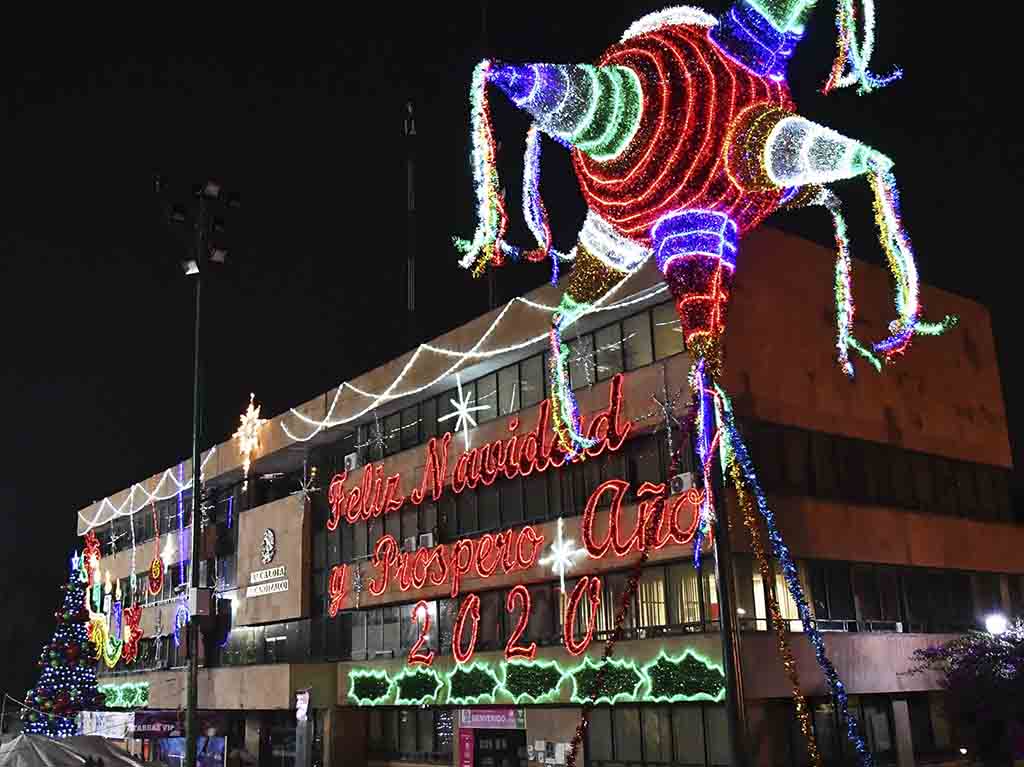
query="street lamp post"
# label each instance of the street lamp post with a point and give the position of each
(202, 254)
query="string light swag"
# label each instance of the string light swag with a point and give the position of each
(248, 434)
(108, 510)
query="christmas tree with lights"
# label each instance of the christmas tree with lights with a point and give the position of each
(67, 683)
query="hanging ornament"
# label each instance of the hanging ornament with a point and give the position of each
(156, 565)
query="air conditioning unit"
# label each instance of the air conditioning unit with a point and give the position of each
(409, 544)
(351, 461)
(682, 482)
(426, 540)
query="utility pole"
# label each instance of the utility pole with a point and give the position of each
(725, 585)
(202, 253)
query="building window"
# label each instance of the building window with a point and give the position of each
(668, 333)
(531, 381)
(410, 427)
(508, 390)
(581, 361)
(410, 734)
(486, 397)
(691, 734)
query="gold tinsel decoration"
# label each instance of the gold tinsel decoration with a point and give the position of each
(782, 642)
(591, 278)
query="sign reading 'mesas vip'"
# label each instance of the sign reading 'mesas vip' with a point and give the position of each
(656, 524)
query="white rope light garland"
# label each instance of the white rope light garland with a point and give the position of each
(108, 510)
(127, 503)
(473, 353)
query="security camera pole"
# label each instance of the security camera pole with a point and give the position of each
(202, 255)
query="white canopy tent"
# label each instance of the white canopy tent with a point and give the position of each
(101, 748)
(38, 751)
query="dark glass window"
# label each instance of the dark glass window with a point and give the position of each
(428, 418)
(581, 361)
(410, 427)
(508, 390)
(466, 507)
(511, 501)
(531, 381)
(608, 348)
(487, 397)
(636, 341)
(536, 493)
(668, 333)
(392, 433)
(487, 507)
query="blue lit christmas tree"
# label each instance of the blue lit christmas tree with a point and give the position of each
(67, 684)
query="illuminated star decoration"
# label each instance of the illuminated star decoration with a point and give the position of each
(563, 555)
(463, 412)
(248, 434)
(307, 485)
(376, 436)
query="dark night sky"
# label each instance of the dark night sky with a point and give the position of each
(303, 118)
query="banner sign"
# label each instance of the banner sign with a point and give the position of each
(171, 724)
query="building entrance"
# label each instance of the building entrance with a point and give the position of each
(499, 748)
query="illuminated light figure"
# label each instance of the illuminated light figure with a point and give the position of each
(684, 138)
(248, 435)
(563, 555)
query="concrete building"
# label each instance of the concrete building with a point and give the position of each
(891, 490)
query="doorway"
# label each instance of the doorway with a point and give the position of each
(499, 748)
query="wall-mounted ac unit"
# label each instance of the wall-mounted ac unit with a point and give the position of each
(682, 482)
(351, 461)
(409, 544)
(426, 540)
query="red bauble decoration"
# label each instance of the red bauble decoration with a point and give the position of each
(156, 576)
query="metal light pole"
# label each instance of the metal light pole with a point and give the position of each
(202, 254)
(725, 585)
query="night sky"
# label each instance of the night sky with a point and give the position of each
(303, 118)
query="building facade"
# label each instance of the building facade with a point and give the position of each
(393, 580)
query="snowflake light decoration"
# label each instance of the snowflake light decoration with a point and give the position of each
(248, 434)
(562, 555)
(463, 412)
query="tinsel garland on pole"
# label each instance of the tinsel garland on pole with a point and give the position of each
(778, 624)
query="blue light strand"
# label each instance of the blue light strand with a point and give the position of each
(738, 452)
(231, 506)
(181, 523)
(704, 440)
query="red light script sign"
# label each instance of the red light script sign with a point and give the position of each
(517, 455)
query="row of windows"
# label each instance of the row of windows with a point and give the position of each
(670, 599)
(795, 461)
(629, 344)
(164, 517)
(417, 734)
(695, 735)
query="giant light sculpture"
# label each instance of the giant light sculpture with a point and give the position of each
(684, 138)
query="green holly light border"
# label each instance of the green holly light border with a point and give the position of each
(441, 695)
